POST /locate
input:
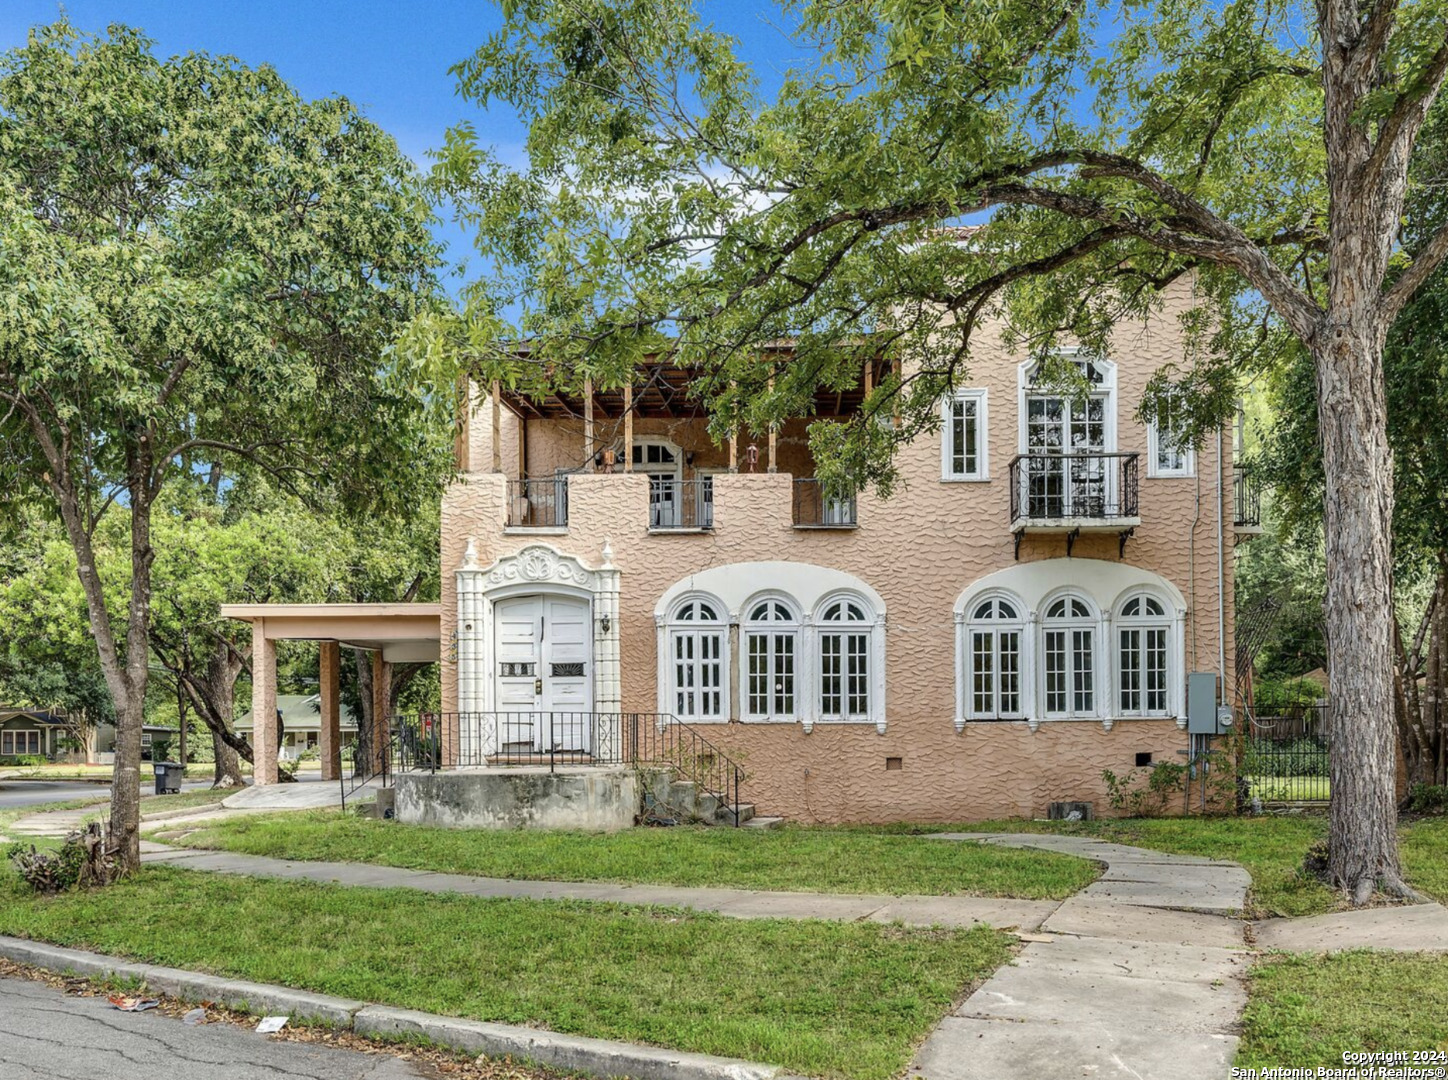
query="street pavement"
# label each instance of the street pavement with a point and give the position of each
(48, 1035)
(17, 793)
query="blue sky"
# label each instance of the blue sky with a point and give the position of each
(389, 56)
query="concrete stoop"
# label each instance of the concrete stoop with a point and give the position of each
(666, 796)
(572, 1053)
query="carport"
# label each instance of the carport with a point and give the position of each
(392, 633)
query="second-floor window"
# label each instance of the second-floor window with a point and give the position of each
(1169, 452)
(963, 453)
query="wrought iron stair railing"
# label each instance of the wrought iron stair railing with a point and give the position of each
(435, 741)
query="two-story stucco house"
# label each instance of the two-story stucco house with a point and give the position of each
(1022, 614)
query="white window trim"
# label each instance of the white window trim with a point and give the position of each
(982, 434)
(1173, 620)
(965, 711)
(668, 628)
(1106, 390)
(1154, 470)
(1101, 688)
(874, 627)
(802, 666)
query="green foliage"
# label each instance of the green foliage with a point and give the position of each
(1145, 792)
(49, 871)
(671, 205)
(1428, 799)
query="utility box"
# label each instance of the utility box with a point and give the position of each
(1202, 703)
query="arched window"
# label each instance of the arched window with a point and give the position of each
(1142, 637)
(1068, 651)
(771, 668)
(845, 648)
(696, 661)
(993, 660)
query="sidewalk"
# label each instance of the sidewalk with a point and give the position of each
(959, 911)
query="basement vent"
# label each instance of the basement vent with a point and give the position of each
(894, 764)
(1143, 757)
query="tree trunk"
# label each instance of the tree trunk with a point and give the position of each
(1358, 468)
(228, 764)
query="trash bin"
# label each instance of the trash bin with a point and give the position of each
(169, 775)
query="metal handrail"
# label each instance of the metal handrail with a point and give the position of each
(1247, 498)
(1054, 486)
(432, 742)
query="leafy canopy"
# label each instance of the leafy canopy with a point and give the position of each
(1104, 151)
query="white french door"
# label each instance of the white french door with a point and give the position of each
(1078, 483)
(543, 650)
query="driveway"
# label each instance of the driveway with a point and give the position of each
(49, 1035)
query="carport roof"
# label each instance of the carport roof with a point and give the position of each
(401, 632)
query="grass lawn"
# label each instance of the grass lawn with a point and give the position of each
(1305, 1011)
(790, 858)
(1290, 788)
(1271, 847)
(820, 998)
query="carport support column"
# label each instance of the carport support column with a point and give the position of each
(330, 743)
(263, 705)
(381, 720)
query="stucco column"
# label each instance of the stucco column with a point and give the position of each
(329, 745)
(381, 719)
(263, 705)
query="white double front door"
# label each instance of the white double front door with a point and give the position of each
(543, 674)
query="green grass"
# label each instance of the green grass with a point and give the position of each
(791, 858)
(1289, 788)
(1271, 847)
(820, 998)
(1306, 1011)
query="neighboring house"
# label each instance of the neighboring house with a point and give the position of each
(1022, 614)
(30, 733)
(301, 724)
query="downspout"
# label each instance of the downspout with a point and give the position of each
(1221, 600)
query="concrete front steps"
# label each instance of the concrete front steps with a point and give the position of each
(670, 799)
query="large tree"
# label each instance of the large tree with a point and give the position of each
(196, 266)
(1105, 151)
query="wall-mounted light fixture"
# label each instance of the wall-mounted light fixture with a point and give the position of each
(605, 624)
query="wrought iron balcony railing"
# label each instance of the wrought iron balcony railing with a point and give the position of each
(1247, 497)
(680, 505)
(819, 507)
(540, 503)
(1058, 489)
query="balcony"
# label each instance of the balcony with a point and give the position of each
(1074, 494)
(815, 507)
(540, 503)
(682, 506)
(1247, 500)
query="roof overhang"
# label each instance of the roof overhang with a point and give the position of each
(403, 633)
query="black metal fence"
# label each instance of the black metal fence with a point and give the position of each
(540, 503)
(436, 741)
(818, 506)
(1056, 487)
(1286, 753)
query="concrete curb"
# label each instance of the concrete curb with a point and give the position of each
(575, 1053)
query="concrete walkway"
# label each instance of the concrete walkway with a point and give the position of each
(1027, 915)
(1137, 977)
(1402, 928)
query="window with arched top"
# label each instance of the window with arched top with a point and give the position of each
(993, 660)
(1068, 654)
(846, 634)
(1143, 652)
(771, 661)
(696, 639)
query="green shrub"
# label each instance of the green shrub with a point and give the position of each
(1428, 799)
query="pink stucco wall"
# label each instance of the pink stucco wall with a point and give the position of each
(919, 550)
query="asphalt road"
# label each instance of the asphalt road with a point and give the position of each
(14, 793)
(48, 1035)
